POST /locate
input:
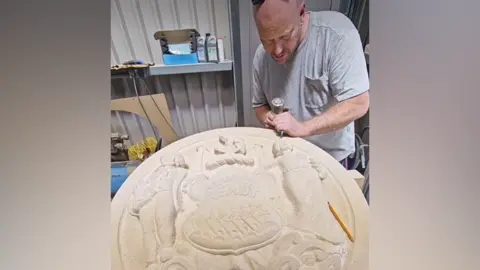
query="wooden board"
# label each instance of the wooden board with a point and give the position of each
(163, 124)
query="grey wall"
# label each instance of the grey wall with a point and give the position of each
(249, 44)
(317, 5)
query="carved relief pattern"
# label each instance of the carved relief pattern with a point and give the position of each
(230, 151)
(296, 251)
(263, 209)
(233, 230)
(302, 183)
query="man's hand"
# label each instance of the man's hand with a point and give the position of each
(268, 120)
(286, 122)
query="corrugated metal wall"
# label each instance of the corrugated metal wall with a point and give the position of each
(197, 102)
(135, 21)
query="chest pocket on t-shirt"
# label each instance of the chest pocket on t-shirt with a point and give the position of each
(317, 94)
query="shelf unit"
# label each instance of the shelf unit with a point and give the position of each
(191, 68)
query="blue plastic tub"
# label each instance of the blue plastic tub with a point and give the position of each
(119, 172)
(180, 59)
(119, 175)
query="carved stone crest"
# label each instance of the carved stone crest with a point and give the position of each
(239, 198)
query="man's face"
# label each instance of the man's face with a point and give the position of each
(279, 28)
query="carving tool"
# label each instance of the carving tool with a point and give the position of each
(278, 105)
(345, 229)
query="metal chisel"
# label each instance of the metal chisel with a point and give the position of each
(278, 108)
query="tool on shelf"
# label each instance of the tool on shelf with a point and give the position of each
(129, 69)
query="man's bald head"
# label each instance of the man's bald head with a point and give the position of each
(279, 24)
(271, 9)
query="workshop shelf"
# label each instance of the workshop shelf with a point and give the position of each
(191, 68)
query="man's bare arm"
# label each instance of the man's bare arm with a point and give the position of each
(339, 115)
(261, 112)
(265, 116)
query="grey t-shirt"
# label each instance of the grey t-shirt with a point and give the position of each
(328, 67)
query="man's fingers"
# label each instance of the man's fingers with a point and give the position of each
(279, 120)
(283, 128)
(270, 116)
(269, 126)
(270, 122)
(283, 116)
(280, 127)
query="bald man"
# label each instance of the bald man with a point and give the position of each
(315, 62)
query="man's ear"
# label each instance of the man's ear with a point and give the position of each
(302, 10)
(302, 14)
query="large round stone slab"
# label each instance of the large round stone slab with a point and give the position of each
(239, 198)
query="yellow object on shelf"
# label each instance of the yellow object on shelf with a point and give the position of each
(137, 151)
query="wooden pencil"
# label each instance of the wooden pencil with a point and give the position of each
(345, 229)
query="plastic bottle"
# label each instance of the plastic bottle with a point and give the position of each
(201, 51)
(212, 49)
(221, 50)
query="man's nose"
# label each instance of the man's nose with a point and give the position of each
(277, 49)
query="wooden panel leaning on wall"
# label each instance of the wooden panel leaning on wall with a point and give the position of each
(162, 122)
